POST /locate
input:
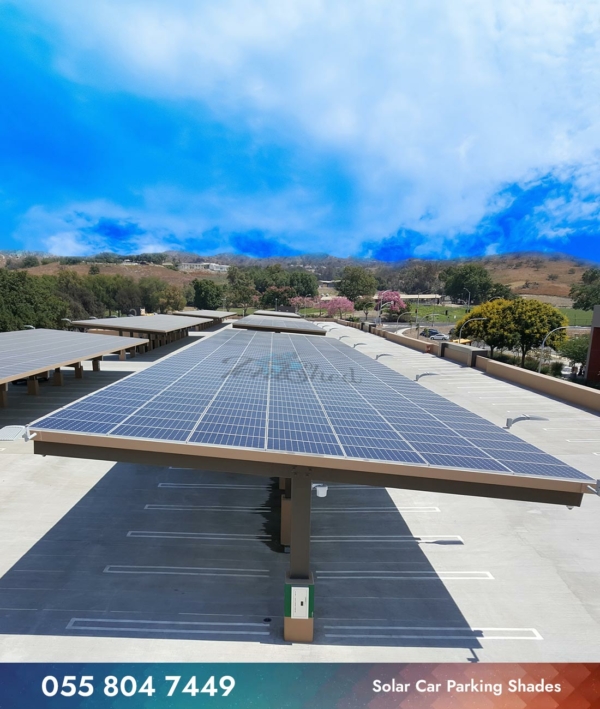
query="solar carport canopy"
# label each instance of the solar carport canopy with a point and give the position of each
(255, 322)
(142, 323)
(273, 404)
(210, 314)
(24, 353)
(276, 314)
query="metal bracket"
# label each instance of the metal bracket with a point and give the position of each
(524, 417)
(426, 374)
(595, 490)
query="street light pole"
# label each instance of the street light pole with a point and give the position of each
(469, 303)
(564, 327)
(381, 307)
(465, 322)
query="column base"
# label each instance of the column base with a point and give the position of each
(298, 630)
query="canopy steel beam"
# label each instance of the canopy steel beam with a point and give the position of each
(516, 488)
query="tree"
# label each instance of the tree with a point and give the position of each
(575, 349)
(587, 293)
(470, 277)
(339, 305)
(515, 324)
(529, 321)
(158, 296)
(29, 300)
(30, 261)
(241, 290)
(299, 302)
(94, 270)
(492, 330)
(365, 304)
(207, 294)
(81, 300)
(395, 304)
(305, 284)
(356, 282)
(499, 290)
(275, 296)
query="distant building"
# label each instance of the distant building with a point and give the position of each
(214, 267)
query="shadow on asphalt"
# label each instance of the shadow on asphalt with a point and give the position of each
(155, 552)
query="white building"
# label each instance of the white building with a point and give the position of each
(214, 267)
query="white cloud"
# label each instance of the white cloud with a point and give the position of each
(168, 218)
(432, 106)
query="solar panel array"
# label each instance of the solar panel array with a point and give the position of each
(254, 322)
(142, 323)
(25, 352)
(276, 314)
(210, 314)
(303, 395)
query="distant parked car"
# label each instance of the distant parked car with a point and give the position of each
(439, 336)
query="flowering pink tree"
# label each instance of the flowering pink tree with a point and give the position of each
(392, 297)
(300, 302)
(339, 305)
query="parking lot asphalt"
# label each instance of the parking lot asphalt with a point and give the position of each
(109, 562)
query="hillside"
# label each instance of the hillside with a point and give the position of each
(536, 274)
(135, 271)
(548, 277)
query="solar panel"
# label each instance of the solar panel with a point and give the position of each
(27, 352)
(255, 322)
(299, 395)
(210, 314)
(142, 323)
(276, 314)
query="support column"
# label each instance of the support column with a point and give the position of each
(78, 370)
(131, 352)
(298, 623)
(58, 379)
(33, 386)
(285, 534)
(3, 395)
(122, 355)
(96, 365)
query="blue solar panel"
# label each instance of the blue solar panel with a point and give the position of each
(303, 395)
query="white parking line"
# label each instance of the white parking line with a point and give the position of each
(222, 486)
(185, 571)
(158, 626)
(384, 538)
(206, 508)
(426, 633)
(334, 510)
(386, 575)
(202, 536)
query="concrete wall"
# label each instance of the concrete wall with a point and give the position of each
(592, 366)
(429, 346)
(463, 354)
(557, 388)
(472, 357)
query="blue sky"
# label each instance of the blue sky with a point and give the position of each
(444, 128)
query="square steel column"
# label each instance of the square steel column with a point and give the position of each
(33, 386)
(4, 395)
(298, 622)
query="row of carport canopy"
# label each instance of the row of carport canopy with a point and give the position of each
(28, 355)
